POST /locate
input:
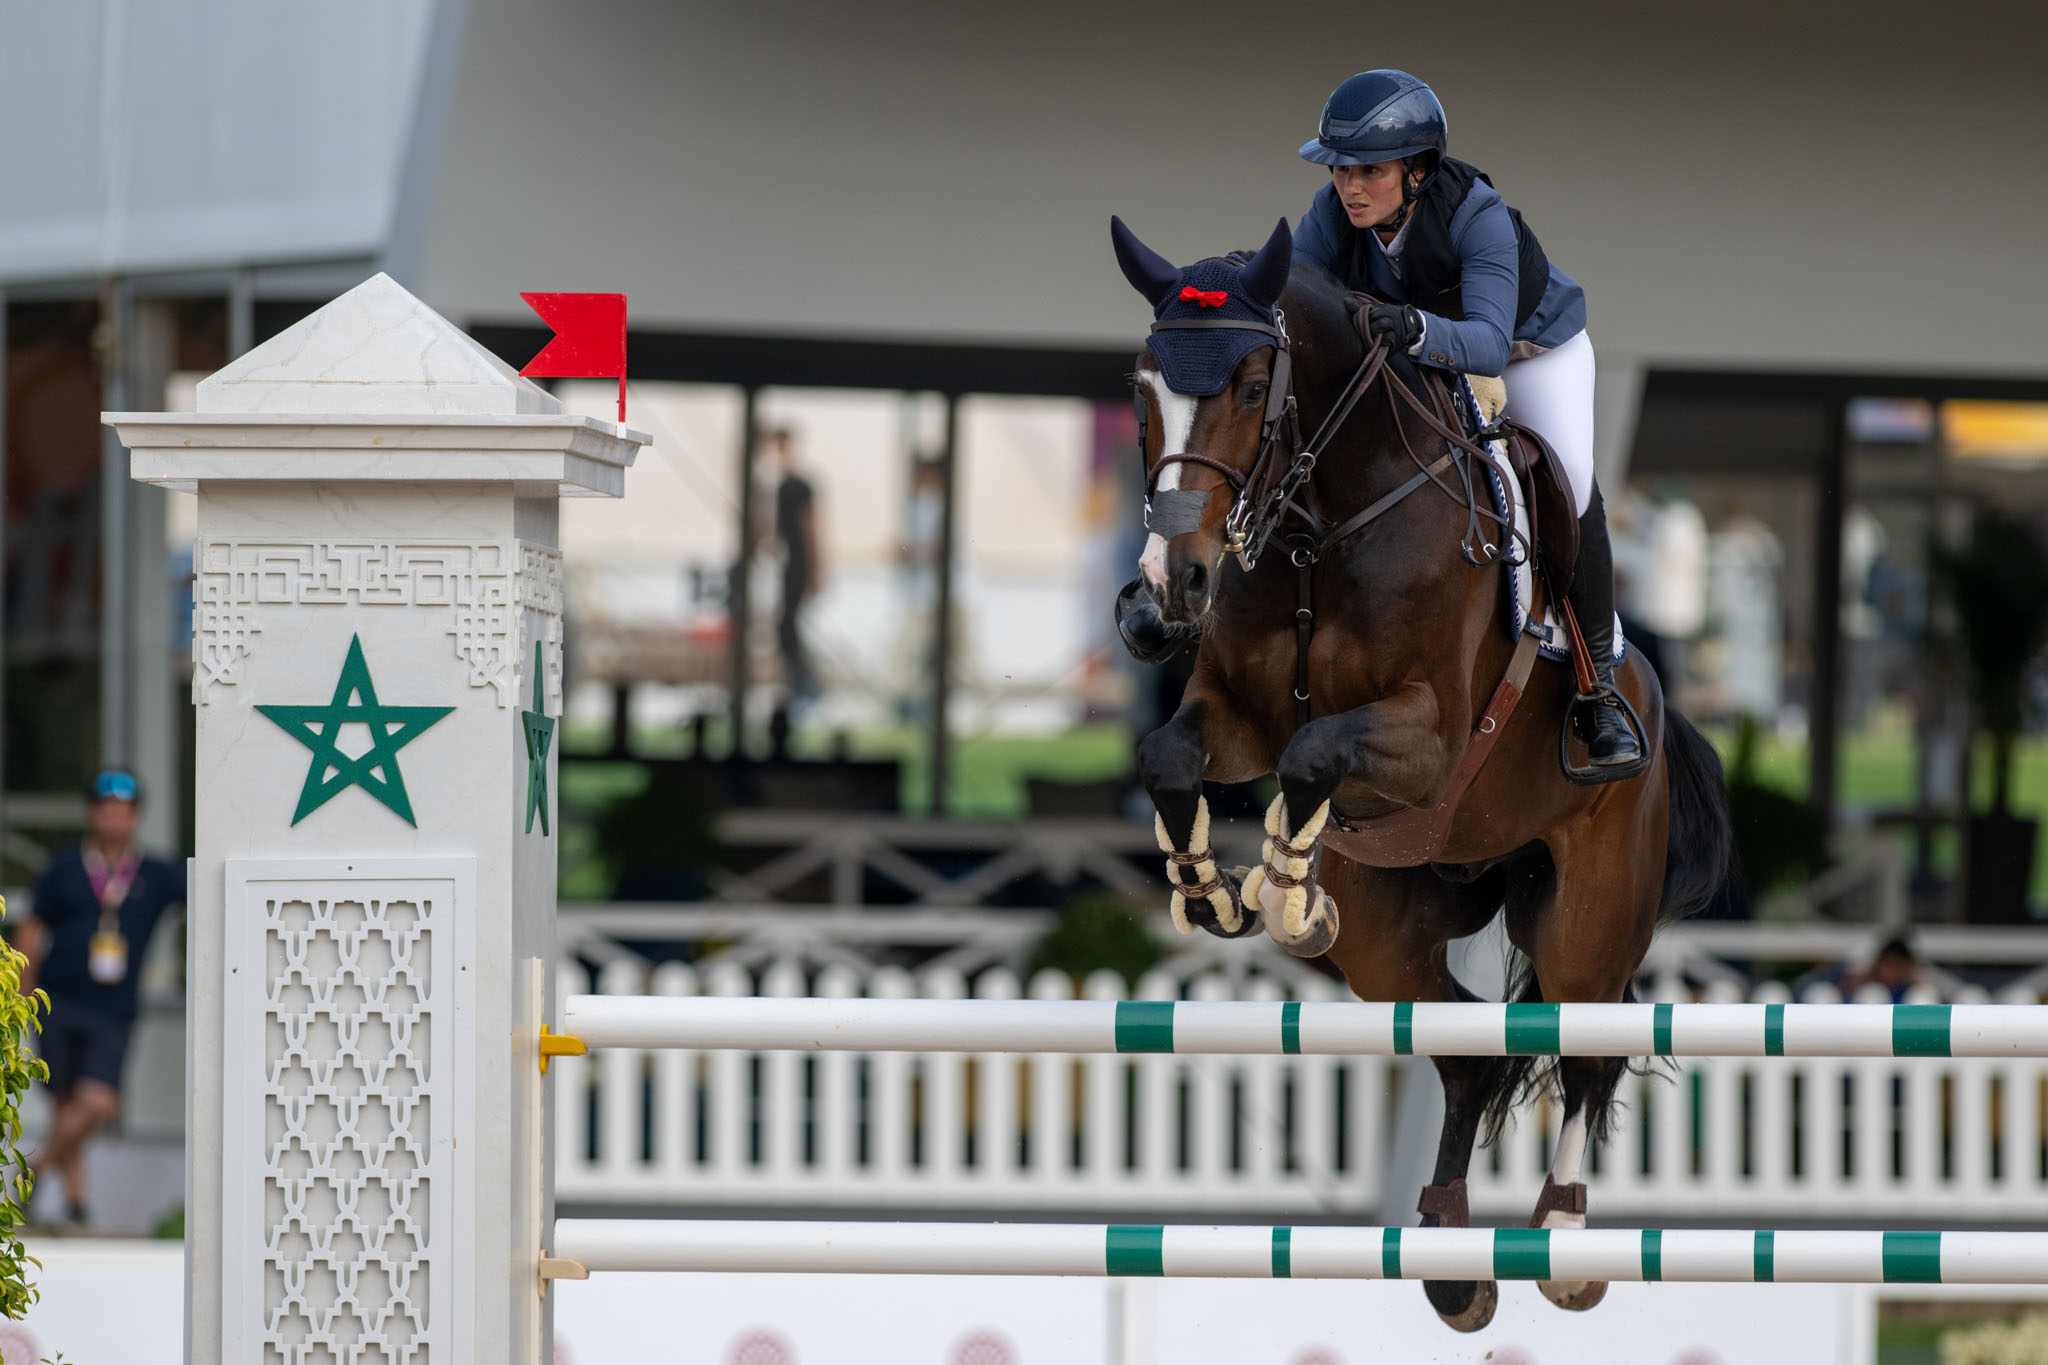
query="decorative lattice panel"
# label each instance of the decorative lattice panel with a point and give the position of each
(341, 1091)
(481, 586)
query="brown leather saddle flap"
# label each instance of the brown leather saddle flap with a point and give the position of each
(1551, 515)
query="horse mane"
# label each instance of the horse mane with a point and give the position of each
(1325, 298)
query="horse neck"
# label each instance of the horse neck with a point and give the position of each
(1380, 445)
(1365, 457)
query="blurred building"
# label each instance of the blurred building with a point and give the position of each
(884, 227)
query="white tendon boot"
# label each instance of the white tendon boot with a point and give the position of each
(1211, 885)
(1299, 914)
(1563, 1205)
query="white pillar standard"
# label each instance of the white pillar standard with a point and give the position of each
(377, 667)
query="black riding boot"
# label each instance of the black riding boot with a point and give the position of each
(1600, 720)
(1145, 634)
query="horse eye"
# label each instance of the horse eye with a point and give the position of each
(1255, 393)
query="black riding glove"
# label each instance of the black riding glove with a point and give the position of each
(1397, 323)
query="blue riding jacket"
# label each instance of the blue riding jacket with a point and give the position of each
(1484, 238)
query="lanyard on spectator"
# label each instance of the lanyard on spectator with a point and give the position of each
(107, 959)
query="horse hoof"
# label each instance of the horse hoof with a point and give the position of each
(1477, 1307)
(1317, 932)
(1574, 1296)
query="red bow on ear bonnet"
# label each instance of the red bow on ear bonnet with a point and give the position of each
(1203, 298)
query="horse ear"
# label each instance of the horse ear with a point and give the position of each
(1149, 273)
(1265, 274)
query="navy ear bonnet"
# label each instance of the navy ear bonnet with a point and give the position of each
(1199, 361)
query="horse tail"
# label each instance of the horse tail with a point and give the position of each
(1701, 842)
(1697, 852)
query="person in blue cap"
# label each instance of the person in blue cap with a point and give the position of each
(1460, 283)
(96, 905)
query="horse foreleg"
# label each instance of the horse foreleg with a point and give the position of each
(1390, 743)
(1171, 762)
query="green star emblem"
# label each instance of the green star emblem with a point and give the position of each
(540, 731)
(319, 729)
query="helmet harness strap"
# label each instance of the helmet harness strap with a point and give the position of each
(1410, 188)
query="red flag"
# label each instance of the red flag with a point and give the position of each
(589, 340)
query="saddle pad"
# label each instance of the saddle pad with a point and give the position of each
(1508, 501)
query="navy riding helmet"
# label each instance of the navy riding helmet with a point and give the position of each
(1377, 116)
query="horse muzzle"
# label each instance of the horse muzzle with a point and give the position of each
(1189, 593)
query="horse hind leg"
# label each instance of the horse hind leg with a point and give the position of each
(1466, 1305)
(1588, 1085)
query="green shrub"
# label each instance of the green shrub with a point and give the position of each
(1780, 840)
(1096, 931)
(20, 1021)
(661, 842)
(2024, 1342)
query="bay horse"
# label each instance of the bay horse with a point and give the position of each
(1367, 666)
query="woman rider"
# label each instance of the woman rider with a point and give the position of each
(1462, 285)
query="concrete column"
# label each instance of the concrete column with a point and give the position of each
(151, 727)
(1617, 402)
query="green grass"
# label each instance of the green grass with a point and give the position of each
(1876, 771)
(988, 777)
(988, 771)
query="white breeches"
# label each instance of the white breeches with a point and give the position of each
(1553, 393)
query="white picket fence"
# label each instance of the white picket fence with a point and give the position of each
(1736, 1140)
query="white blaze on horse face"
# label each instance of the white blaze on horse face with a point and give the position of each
(1176, 421)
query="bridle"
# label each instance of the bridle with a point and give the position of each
(1281, 418)
(1265, 499)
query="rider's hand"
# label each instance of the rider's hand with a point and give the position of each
(1398, 324)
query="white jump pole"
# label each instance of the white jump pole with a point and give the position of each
(602, 1245)
(1307, 1028)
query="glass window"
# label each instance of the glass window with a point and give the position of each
(1042, 691)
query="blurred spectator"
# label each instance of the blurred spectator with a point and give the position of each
(924, 513)
(1895, 967)
(1673, 599)
(796, 531)
(96, 906)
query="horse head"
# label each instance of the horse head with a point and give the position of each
(1203, 384)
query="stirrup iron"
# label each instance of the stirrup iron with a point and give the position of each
(1596, 774)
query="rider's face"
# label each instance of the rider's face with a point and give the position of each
(1370, 194)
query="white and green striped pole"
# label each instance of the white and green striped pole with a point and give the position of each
(1308, 1028)
(600, 1245)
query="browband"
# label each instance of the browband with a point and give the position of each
(1233, 324)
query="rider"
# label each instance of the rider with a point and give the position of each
(1460, 284)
